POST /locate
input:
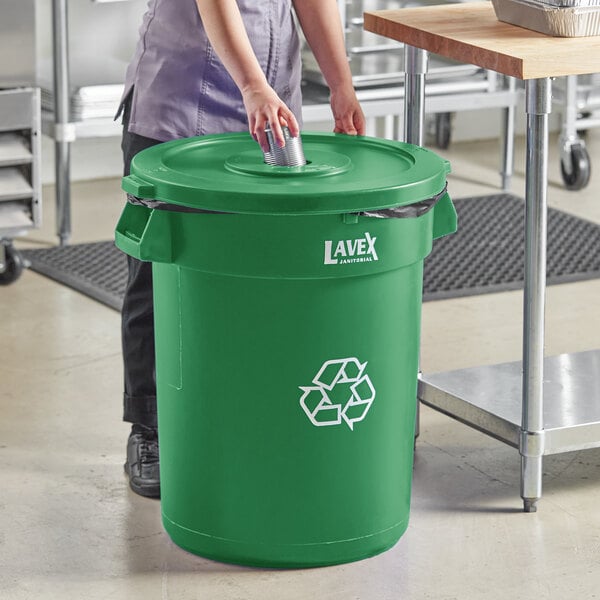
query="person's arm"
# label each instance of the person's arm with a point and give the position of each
(322, 27)
(226, 32)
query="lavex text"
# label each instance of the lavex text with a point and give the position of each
(351, 251)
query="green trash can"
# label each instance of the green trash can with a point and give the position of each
(287, 316)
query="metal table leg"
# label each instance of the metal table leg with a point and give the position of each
(538, 103)
(64, 130)
(531, 446)
(508, 154)
(415, 67)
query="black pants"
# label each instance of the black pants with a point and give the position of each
(137, 316)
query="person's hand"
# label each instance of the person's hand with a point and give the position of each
(264, 107)
(347, 113)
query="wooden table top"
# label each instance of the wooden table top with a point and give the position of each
(471, 33)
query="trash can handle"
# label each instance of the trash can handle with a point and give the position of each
(444, 217)
(136, 186)
(145, 233)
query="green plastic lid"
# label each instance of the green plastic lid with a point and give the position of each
(227, 173)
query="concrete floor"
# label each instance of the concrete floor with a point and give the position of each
(71, 529)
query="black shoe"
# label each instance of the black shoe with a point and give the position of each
(142, 464)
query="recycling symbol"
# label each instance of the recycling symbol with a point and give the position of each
(342, 392)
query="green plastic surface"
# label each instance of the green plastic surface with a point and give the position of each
(251, 328)
(227, 173)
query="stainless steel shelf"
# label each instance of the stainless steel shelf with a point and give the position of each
(488, 398)
(14, 150)
(15, 218)
(14, 185)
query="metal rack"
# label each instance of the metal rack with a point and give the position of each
(20, 182)
(579, 97)
(20, 189)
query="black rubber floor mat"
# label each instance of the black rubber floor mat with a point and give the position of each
(98, 269)
(486, 255)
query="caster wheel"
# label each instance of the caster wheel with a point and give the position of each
(578, 176)
(443, 130)
(13, 265)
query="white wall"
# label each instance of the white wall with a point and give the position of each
(100, 30)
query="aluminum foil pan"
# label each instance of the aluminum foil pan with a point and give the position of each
(565, 3)
(568, 21)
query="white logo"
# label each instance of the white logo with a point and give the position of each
(351, 251)
(342, 392)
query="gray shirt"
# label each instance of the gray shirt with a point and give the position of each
(181, 88)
